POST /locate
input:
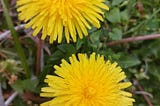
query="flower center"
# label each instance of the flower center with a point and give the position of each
(89, 92)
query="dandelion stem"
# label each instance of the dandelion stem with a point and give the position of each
(16, 40)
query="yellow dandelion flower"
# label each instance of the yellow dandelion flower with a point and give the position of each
(87, 82)
(57, 17)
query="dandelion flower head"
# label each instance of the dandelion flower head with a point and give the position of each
(55, 18)
(87, 82)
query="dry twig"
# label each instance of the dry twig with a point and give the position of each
(132, 39)
(140, 88)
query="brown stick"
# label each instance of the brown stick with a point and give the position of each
(39, 56)
(145, 96)
(132, 39)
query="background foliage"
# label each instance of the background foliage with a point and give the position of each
(126, 18)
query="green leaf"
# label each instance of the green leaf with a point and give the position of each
(116, 34)
(116, 2)
(79, 43)
(109, 54)
(95, 35)
(57, 55)
(27, 84)
(128, 61)
(18, 86)
(30, 85)
(124, 16)
(114, 16)
(67, 48)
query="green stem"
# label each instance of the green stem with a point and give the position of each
(16, 40)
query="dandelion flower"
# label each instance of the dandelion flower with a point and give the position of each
(87, 82)
(55, 18)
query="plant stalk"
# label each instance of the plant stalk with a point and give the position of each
(16, 40)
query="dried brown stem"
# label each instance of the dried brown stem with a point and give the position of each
(39, 56)
(145, 96)
(132, 39)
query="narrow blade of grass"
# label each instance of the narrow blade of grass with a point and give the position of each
(16, 40)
